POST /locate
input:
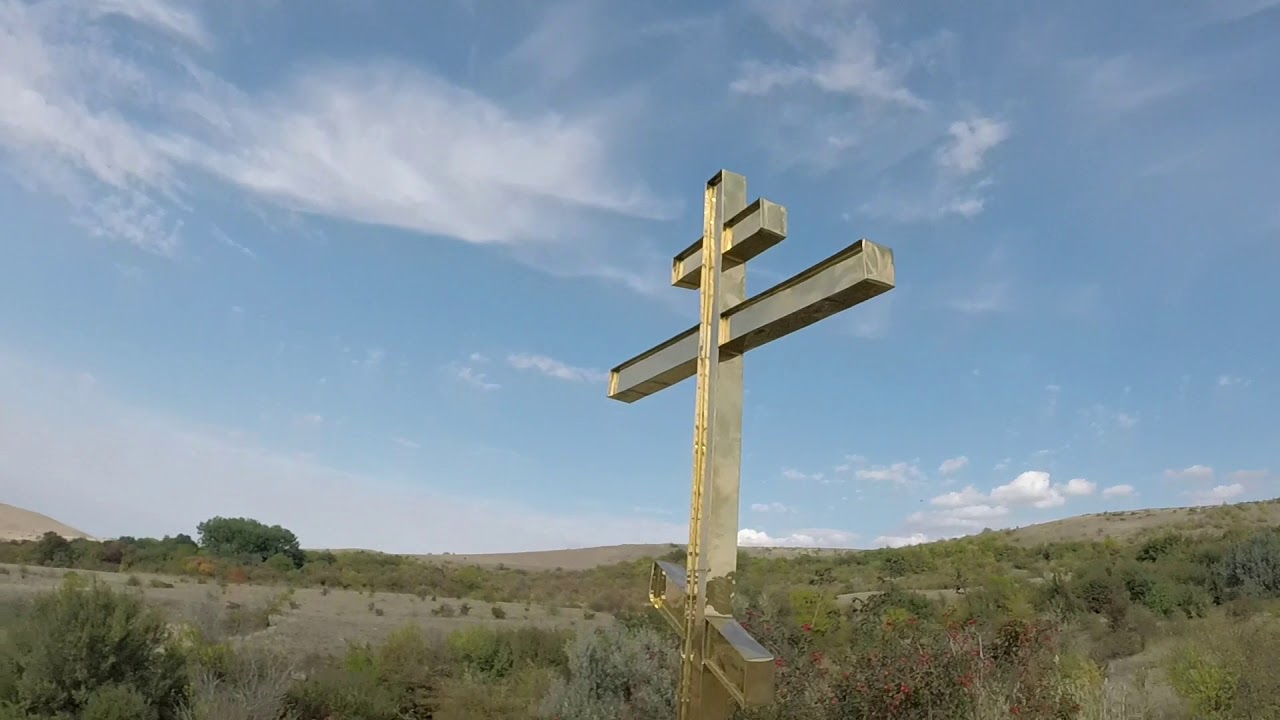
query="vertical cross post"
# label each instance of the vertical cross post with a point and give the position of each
(717, 455)
(722, 666)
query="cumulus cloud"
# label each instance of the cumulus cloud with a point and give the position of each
(1218, 495)
(1032, 488)
(965, 517)
(970, 141)
(65, 441)
(959, 498)
(1119, 491)
(1079, 487)
(953, 465)
(817, 538)
(1193, 472)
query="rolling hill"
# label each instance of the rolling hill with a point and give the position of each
(19, 524)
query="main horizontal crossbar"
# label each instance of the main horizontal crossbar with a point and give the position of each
(759, 226)
(856, 274)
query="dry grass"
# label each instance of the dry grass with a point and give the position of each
(310, 621)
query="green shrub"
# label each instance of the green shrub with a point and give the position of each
(159, 584)
(615, 673)
(133, 581)
(86, 649)
(338, 693)
(497, 612)
(117, 702)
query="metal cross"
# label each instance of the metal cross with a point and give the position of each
(721, 664)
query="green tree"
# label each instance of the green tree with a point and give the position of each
(53, 550)
(246, 538)
(86, 651)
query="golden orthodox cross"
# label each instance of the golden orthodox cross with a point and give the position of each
(721, 664)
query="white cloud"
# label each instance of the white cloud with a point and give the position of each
(900, 473)
(1123, 84)
(897, 541)
(817, 537)
(1119, 491)
(1232, 380)
(776, 507)
(1103, 419)
(986, 298)
(555, 369)
(1033, 488)
(66, 443)
(310, 420)
(157, 14)
(795, 475)
(1193, 472)
(847, 58)
(969, 144)
(953, 465)
(968, 496)
(850, 462)
(474, 378)
(1079, 487)
(966, 517)
(370, 141)
(1218, 495)
(1248, 475)
(406, 443)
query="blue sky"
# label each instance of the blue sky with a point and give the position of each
(361, 271)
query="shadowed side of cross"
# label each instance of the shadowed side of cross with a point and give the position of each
(722, 665)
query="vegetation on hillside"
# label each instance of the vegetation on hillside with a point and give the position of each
(981, 627)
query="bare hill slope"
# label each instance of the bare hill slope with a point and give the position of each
(19, 524)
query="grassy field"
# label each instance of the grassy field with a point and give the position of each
(303, 622)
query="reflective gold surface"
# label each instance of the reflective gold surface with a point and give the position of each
(722, 666)
(856, 274)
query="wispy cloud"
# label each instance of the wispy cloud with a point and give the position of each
(470, 376)
(773, 507)
(1119, 491)
(986, 298)
(899, 473)
(555, 368)
(369, 141)
(845, 57)
(795, 475)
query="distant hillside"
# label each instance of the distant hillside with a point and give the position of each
(1121, 525)
(1130, 524)
(19, 524)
